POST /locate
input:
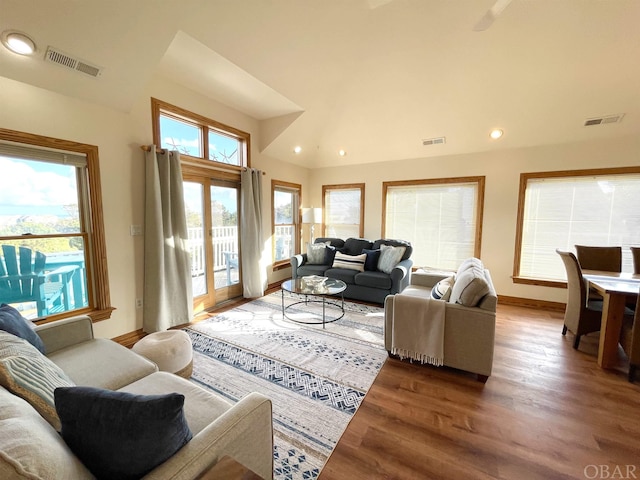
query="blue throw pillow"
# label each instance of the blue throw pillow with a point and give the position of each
(329, 254)
(371, 263)
(12, 322)
(120, 435)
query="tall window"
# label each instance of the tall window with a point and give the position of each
(285, 221)
(52, 255)
(442, 218)
(343, 207)
(564, 209)
(212, 156)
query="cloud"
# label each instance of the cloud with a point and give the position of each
(47, 185)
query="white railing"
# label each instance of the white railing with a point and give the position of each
(225, 239)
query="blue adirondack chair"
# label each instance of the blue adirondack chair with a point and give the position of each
(23, 279)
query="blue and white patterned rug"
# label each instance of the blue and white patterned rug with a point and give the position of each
(315, 377)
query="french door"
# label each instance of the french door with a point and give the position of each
(212, 210)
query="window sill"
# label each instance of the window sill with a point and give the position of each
(539, 282)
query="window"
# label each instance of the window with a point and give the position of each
(212, 155)
(203, 139)
(51, 228)
(343, 207)
(285, 220)
(442, 218)
(562, 209)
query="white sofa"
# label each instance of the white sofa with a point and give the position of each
(470, 316)
(31, 448)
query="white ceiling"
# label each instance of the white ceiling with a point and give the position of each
(373, 77)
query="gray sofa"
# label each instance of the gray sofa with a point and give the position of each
(469, 316)
(370, 285)
(31, 448)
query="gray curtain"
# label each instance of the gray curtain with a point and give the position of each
(168, 299)
(254, 275)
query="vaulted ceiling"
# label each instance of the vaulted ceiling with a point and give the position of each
(372, 77)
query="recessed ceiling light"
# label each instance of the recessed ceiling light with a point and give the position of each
(496, 133)
(18, 42)
(342, 153)
(297, 149)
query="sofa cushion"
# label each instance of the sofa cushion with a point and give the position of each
(102, 363)
(306, 270)
(350, 262)
(374, 280)
(334, 242)
(27, 373)
(469, 263)
(355, 246)
(442, 289)
(389, 257)
(371, 263)
(316, 253)
(344, 274)
(469, 287)
(30, 447)
(11, 321)
(120, 435)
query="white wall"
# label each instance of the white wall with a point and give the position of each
(502, 170)
(120, 134)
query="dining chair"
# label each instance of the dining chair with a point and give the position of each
(635, 253)
(630, 340)
(605, 259)
(580, 317)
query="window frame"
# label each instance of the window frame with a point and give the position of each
(344, 186)
(524, 178)
(279, 185)
(98, 279)
(479, 180)
(205, 124)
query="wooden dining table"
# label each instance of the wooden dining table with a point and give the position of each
(615, 289)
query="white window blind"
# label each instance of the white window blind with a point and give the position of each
(563, 212)
(440, 221)
(342, 212)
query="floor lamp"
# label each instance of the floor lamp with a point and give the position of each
(311, 216)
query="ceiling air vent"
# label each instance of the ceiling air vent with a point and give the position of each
(68, 61)
(433, 141)
(603, 120)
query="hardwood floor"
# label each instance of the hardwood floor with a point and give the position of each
(547, 412)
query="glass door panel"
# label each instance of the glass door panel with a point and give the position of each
(194, 203)
(224, 235)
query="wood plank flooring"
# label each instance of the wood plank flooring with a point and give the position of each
(547, 412)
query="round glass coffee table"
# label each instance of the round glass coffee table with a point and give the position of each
(322, 287)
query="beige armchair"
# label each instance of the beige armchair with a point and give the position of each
(469, 331)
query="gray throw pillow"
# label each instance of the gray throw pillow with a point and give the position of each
(316, 253)
(469, 288)
(389, 257)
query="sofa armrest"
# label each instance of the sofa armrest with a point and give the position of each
(297, 261)
(400, 276)
(244, 432)
(63, 333)
(428, 278)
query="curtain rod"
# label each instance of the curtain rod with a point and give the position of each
(147, 148)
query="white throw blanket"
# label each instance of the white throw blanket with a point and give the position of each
(418, 329)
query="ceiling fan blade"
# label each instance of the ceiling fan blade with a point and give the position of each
(487, 20)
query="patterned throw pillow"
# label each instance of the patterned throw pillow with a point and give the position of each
(350, 262)
(27, 373)
(389, 257)
(316, 253)
(442, 289)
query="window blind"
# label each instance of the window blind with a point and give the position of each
(342, 212)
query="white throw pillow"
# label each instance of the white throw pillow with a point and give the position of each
(350, 262)
(469, 288)
(442, 289)
(389, 257)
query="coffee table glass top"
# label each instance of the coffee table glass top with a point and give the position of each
(314, 285)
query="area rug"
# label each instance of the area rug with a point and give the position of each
(316, 378)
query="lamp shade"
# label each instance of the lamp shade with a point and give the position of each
(312, 215)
